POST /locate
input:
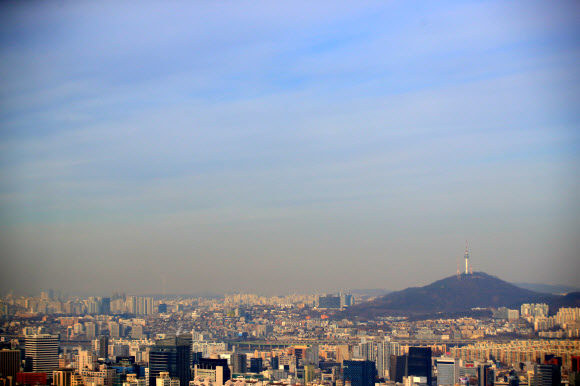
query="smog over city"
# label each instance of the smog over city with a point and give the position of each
(192, 147)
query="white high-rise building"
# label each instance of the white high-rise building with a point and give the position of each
(384, 351)
(383, 356)
(447, 371)
(41, 353)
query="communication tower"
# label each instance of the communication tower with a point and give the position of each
(466, 259)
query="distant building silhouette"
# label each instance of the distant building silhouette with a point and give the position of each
(256, 365)
(239, 363)
(359, 372)
(104, 347)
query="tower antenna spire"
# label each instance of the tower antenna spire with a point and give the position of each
(466, 259)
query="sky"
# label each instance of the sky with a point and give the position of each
(287, 147)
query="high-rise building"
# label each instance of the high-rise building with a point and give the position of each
(256, 365)
(106, 306)
(359, 372)
(239, 363)
(447, 371)
(398, 368)
(485, 375)
(308, 374)
(345, 300)
(170, 355)
(312, 355)
(383, 358)
(368, 350)
(547, 375)
(419, 362)
(41, 353)
(329, 301)
(115, 329)
(104, 346)
(62, 377)
(275, 363)
(91, 330)
(9, 363)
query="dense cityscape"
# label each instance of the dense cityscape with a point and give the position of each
(247, 339)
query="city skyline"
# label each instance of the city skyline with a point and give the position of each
(267, 147)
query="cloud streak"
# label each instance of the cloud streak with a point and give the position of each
(290, 135)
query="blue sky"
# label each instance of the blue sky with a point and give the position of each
(283, 146)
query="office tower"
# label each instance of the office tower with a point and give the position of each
(216, 369)
(547, 375)
(485, 375)
(447, 371)
(308, 374)
(419, 362)
(239, 363)
(359, 372)
(275, 362)
(9, 363)
(312, 355)
(170, 355)
(398, 368)
(255, 365)
(329, 301)
(104, 347)
(106, 306)
(41, 353)
(62, 377)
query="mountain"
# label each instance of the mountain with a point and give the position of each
(457, 294)
(369, 292)
(548, 288)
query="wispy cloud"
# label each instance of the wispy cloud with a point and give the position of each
(282, 121)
